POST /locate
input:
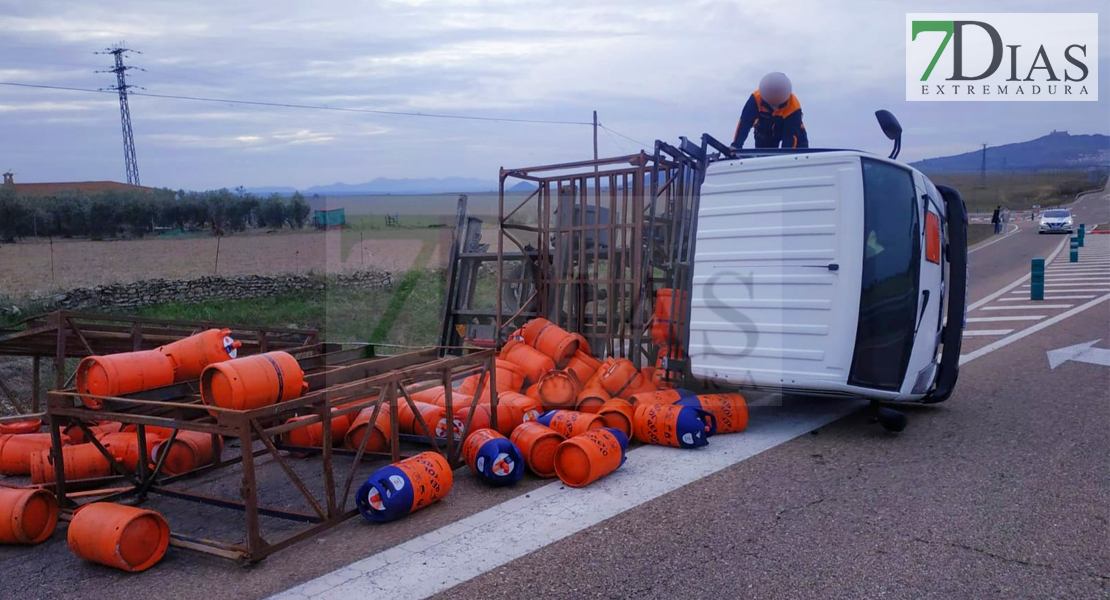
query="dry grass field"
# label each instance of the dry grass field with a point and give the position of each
(39, 266)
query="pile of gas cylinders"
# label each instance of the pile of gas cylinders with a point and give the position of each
(560, 412)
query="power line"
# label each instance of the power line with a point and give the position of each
(614, 140)
(304, 106)
(643, 145)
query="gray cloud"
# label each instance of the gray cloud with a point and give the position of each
(652, 69)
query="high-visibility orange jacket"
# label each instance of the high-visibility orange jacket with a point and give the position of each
(774, 125)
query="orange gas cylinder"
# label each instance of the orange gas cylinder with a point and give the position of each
(622, 380)
(583, 344)
(584, 366)
(190, 450)
(426, 395)
(552, 340)
(493, 457)
(191, 355)
(20, 427)
(83, 461)
(661, 377)
(252, 381)
(510, 377)
(533, 362)
(76, 435)
(124, 373)
(379, 433)
(124, 447)
(16, 450)
(730, 410)
(558, 389)
(590, 399)
(526, 406)
(404, 487)
(618, 414)
(582, 460)
(595, 380)
(659, 397)
(537, 444)
(570, 423)
(661, 320)
(408, 423)
(118, 536)
(673, 425)
(312, 435)
(507, 418)
(27, 516)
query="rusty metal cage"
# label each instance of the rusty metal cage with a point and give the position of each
(587, 248)
(344, 380)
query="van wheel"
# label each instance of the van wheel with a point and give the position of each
(891, 420)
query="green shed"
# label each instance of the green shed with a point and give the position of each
(329, 218)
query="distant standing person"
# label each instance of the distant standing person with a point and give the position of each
(776, 115)
(996, 219)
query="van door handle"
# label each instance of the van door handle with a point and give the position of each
(830, 266)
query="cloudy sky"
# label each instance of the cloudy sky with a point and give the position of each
(652, 69)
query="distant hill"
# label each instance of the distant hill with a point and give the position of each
(1057, 150)
(523, 186)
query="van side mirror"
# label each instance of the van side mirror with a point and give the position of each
(892, 129)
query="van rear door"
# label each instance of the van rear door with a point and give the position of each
(776, 281)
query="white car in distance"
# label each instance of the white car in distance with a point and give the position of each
(1056, 220)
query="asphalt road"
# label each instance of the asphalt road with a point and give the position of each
(1000, 492)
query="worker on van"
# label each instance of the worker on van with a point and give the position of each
(775, 114)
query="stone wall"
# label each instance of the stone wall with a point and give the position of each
(162, 291)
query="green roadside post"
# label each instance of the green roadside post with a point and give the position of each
(1082, 233)
(1073, 256)
(1036, 280)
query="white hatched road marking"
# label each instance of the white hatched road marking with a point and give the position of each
(1025, 298)
(994, 319)
(985, 332)
(1027, 307)
(1006, 341)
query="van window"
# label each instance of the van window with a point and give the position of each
(891, 265)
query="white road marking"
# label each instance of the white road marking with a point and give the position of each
(994, 319)
(985, 332)
(1027, 307)
(995, 240)
(482, 542)
(1092, 278)
(1080, 353)
(1025, 298)
(1022, 279)
(1006, 341)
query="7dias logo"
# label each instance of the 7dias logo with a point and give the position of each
(1002, 56)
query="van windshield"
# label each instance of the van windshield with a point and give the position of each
(891, 264)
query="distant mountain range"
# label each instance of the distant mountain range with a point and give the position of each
(1057, 150)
